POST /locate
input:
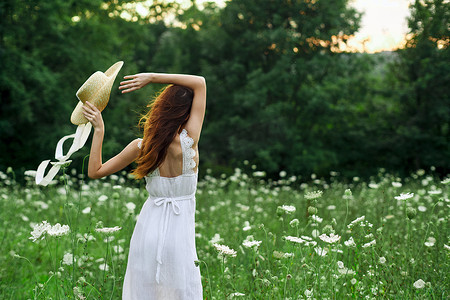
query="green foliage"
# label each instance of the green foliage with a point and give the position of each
(280, 92)
(257, 59)
(48, 49)
(422, 74)
(381, 245)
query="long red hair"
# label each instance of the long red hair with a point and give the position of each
(168, 112)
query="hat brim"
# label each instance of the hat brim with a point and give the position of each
(101, 98)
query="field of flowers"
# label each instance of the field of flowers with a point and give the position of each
(295, 238)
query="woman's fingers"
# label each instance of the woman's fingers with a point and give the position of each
(129, 77)
(125, 86)
(90, 106)
(127, 82)
(86, 109)
(87, 115)
(129, 86)
(89, 110)
(92, 114)
(129, 90)
(133, 86)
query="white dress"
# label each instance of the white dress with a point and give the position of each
(162, 247)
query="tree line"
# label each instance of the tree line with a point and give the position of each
(281, 93)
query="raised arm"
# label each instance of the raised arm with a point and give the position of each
(196, 83)
(96, 168)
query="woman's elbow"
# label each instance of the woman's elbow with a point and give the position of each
(201, 82)
(200, 85)
(93, 175)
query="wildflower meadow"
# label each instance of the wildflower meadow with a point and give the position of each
(256, 238)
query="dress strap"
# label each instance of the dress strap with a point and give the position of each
(188, 152)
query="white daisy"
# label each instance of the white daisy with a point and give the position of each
(315, 233)
(102, 198)
(312, 243)
(419, 284)
(333, 238)
(67, 259)
(130, 206)
(435, 192)
(39, 231)
(294, 222)
(317, 218)
(294, 239)
(355, 221)
(345, 271)
(369, 244)
(288, 208)
(249, 244)
(259, 173)
(321, 251)
(118, 249)
(350, 243)
(247, 226)
(313, 195)
(430, 241)
(373, 185)
(108, 229)
(404, 196)
(216, 238)
(103, 267)
(308, 293)
(225, 250)
(58, 230)
(236, 295)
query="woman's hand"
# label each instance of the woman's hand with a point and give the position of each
(135, 82)
(93, 115)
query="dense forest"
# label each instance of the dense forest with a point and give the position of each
(282, 95)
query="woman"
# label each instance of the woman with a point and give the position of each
(161, 260)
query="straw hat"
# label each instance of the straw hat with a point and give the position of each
(96, 90)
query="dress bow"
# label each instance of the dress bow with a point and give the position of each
(164, 223)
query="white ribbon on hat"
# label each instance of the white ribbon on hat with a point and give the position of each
(79, 139)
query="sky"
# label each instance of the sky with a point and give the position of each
(383, 25)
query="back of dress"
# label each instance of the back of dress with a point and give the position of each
(162, 248)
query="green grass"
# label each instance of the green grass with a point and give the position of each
(391, 253)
